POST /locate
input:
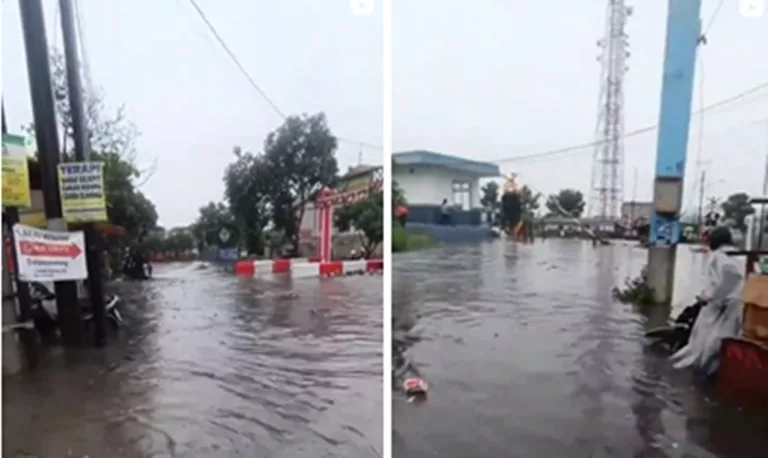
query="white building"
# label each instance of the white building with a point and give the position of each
(427, 178)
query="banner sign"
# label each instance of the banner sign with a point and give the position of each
(49, 256)
(81, 185)
(16, 192)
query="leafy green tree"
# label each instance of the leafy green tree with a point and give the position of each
(214, 218)
(298, 161)
(367, 217)
(112, 139)
(179, 241)
(736, 208)
(568, 202)
(247, 186)
(529, 201)
(300, 157)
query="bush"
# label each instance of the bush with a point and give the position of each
(399, 239)
(636, 291)
(403, 240)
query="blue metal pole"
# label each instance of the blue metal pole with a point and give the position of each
(683, 33)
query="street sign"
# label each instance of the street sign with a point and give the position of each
(48, 255)
(228, 254)
(81, 186)
(224, 235)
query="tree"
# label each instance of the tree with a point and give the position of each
(247, 185)
(298, 161)
(737, 207)
(299, 158)
(126, 206)
(490, 200)
(112, 140)
(398, 195)
(568, 202)
(367, 217)
(179, 241)
(529, 201)
(207, 229)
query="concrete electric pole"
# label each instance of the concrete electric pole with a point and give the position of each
(93, 245)
(46, 134)
(683, 37)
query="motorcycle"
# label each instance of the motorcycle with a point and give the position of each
(136, 267)
(45, 315)
(677, 335)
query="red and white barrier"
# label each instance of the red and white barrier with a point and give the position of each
(306, 268)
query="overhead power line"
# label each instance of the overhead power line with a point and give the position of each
(713, 18)
(250, 79)
(633, 133)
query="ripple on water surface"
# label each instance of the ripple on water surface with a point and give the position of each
(527, 355)
(211, 365)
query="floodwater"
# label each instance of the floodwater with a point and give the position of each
(527, 355)
(214, 366)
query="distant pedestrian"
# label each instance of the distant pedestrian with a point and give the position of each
(445, 213)
(401, 212)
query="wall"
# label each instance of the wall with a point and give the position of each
(429, 185)
(342, 245)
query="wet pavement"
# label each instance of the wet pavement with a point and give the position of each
(209, 365)
(527, 355)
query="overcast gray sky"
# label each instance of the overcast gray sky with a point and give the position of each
(189, 100)
(496, 79)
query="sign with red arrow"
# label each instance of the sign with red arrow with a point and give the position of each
(52, 250)
(46, 256)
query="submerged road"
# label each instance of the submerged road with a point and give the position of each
(527, 355)
(214, 366)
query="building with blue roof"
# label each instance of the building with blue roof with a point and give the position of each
(427, 177)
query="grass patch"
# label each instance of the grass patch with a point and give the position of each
(403, 240)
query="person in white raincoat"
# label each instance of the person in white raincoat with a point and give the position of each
(722, 313)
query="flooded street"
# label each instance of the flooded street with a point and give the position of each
(212, 365)
(527, 355)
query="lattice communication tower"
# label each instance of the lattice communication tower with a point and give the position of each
(607, 182)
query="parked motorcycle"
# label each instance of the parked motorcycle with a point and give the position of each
(136, 267)
(45, 315)
(677, 335)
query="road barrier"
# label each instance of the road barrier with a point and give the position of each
(306, 268)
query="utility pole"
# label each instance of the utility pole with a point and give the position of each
(360, 156)
(93, 244)
(38, 68)
(683, 36)
(700, 219)
(26, 335)
(634, 197)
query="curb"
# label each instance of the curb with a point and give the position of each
(307, 268)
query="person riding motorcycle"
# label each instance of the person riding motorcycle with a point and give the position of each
(720, 316)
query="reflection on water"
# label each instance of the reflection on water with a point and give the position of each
(527, 355)
(210, 365)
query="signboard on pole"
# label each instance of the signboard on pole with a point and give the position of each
(46, 256)
(16, 192)
(228, 254)
(81, 185)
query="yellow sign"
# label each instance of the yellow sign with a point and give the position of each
(16, 192)
(16, 182)
(81, 185)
